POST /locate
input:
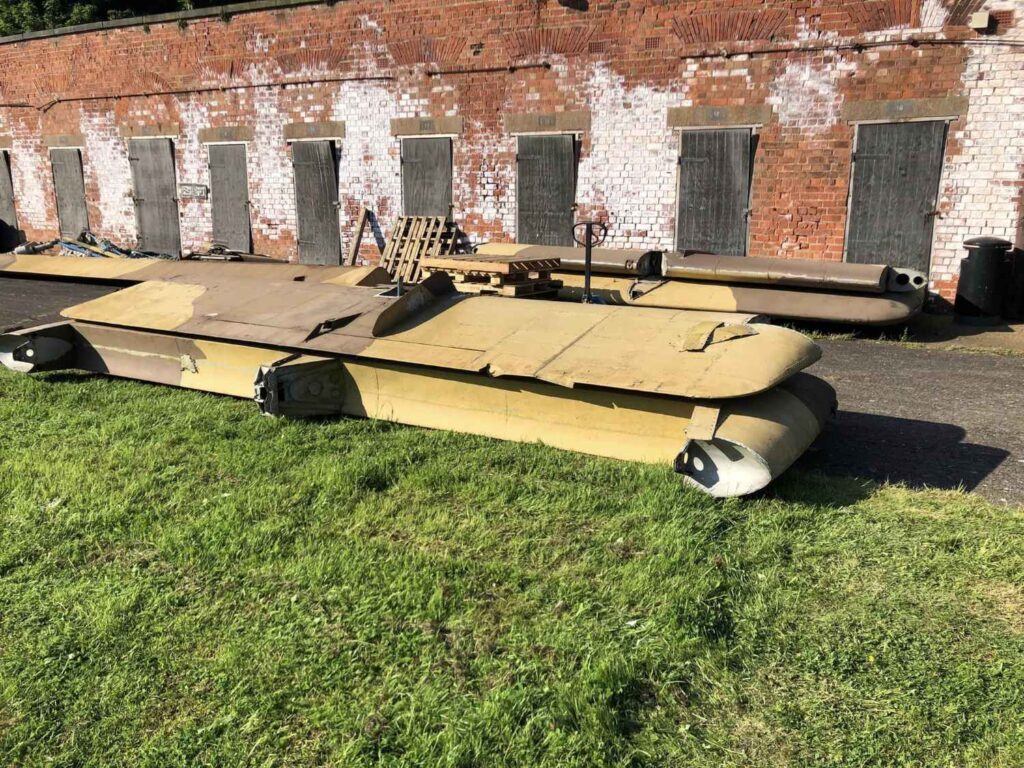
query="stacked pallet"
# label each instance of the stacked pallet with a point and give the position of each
(498, 275)
(417, 238)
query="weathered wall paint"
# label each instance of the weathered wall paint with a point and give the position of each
(627, 63)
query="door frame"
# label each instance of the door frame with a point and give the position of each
(173, 141)
(948, 120)
(401, 161)
(755, 142)
(8, 156)
(85, 193)
(577, 144)
(336, 150)
(248, 189)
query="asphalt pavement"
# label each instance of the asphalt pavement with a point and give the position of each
(925, 417)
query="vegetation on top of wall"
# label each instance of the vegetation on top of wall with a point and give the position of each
(18, 16)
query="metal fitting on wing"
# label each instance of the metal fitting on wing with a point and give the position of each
(41, 349)
(301, 387)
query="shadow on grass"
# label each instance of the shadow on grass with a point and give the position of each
(67, 377)
(813, 488)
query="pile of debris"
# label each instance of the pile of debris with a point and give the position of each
(87, 244)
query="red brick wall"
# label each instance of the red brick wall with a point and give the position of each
(626, 61)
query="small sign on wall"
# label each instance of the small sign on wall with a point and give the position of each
(193, 191)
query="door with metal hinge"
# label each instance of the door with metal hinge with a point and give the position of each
(714, 191)
(10, 235)
(427, 177)
(897, 168)
(316, 200)
(69, 188)
(229, 197)
(546, 189)
(156, 195)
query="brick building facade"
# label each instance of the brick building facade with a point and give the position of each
(803, 81)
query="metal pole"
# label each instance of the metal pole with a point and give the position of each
(590, 239)
(588, 256)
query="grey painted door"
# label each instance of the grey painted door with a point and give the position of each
(9, 234)
(69, 186)
(546, 189)
(229, 196)
(714, 191)
(427, 177)
(896, 173)
(316, 200)
(156, 203)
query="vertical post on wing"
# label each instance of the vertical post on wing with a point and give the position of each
(594, 233)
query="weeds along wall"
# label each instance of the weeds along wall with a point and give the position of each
(632, 74)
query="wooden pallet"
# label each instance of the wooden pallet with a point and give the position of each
(417, 238)
(473, 263)
(497, 275)
(526, 289)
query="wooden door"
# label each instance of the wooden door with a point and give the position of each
(714, 191)
(427, 177)
(316, 199)
(546, 189)
(156, 195)
(896, 172)
(10, 236)
(229, 197)
(69, 187)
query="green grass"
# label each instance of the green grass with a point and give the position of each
(183, 582)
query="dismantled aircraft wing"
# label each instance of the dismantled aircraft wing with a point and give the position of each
(794, 289)
(785, 288)
(723, 402)
(839, 307)
(129, 271)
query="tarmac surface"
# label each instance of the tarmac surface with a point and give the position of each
(925, 417)
(25, 303)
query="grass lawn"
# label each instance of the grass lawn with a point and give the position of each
(184, 582)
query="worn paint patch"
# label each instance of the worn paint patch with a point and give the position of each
(33, 186)
(933, 14)
(108, 177)
(369, 166)
(193, 163)
(975, 201)
(806, 96)
(270, 170)
(630, 171)
(157, 305)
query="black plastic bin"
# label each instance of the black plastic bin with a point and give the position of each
(1014, 305)
(983, 278)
